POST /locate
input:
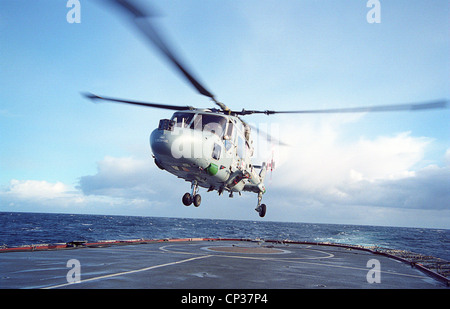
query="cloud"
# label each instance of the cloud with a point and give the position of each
(36, 195)
(120, 186)
(321, 180)
(427, 188)
(321, 159)
(36, 189)
(43, 196)
(119, 177)
(119, 182)
(447, 157)
(324, 168)
(131, 179)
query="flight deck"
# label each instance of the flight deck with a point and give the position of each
(200, 263)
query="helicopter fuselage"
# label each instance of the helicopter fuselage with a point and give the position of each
(209, 149)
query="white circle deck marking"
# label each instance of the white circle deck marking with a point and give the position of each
(246, 250)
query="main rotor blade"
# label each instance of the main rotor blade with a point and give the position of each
(146, 104)
(268, 137)
(381, 108)
(142, 21)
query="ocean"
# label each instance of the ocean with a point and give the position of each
(36, 228)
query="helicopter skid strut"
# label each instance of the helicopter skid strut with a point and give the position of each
(193, 197)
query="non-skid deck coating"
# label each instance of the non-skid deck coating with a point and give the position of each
(209, 265)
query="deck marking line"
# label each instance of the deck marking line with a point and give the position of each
(130, 271)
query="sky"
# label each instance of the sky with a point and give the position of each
(60, 153)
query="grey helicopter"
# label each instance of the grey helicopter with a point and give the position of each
(213, 148)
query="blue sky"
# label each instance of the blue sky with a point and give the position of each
(61, 153)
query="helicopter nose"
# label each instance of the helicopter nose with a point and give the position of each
(185, 145)
(160, 143)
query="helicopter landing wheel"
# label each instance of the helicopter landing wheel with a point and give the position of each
(262, 210)
(197, 200)
(187, 199)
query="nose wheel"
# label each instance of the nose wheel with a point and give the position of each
(261, 208)
(193, 197)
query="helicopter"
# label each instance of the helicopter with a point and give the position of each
(213, 148)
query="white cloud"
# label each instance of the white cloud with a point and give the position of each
(116, 177)
(43, 196)
(321, 159)
(128, 178)
(447, 157)
(323, 167)
(429, 188)
(321, 180)
(36, 189)
(38, 195)
(120, 186)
